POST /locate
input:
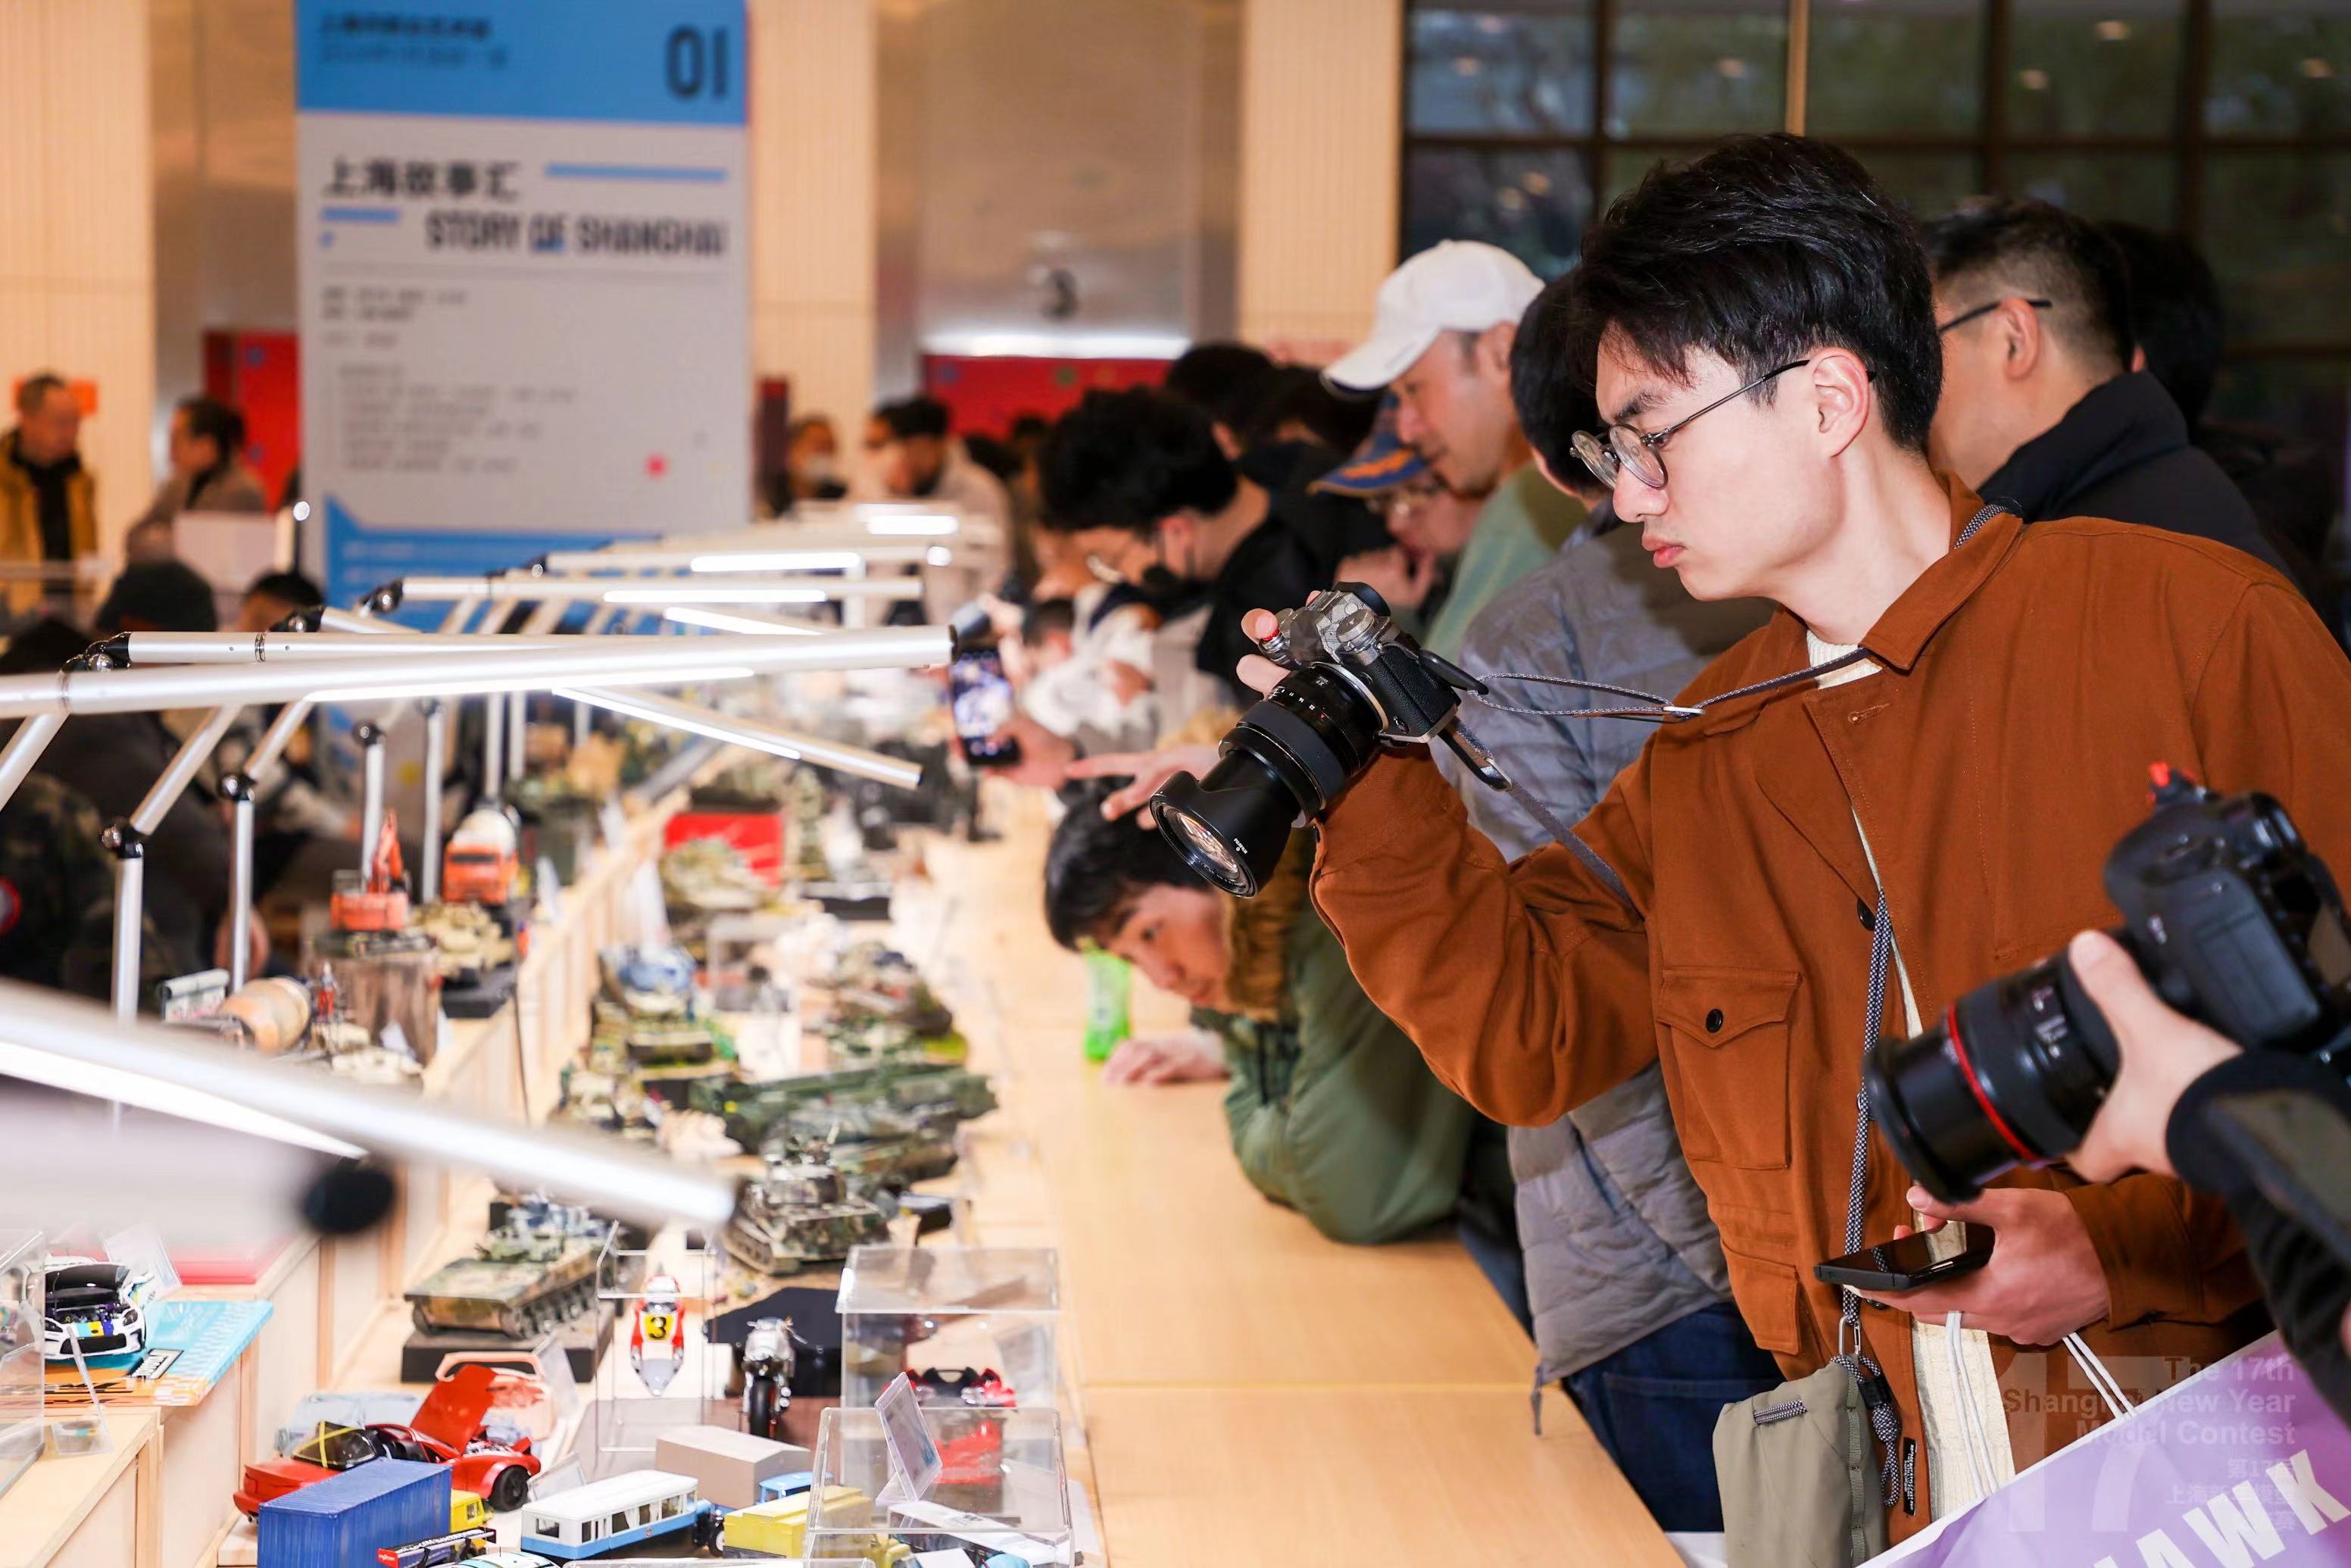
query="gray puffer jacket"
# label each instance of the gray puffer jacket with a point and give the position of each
(1615, 1229)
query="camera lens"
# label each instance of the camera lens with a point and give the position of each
(2013, 1076)
(1292, 755)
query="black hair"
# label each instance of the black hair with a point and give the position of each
(913, 417)
(2175, 313)
(1551, 407)
(161, 596)
(209, 418)
(1759, 252)
(2034, 248)
(42, 648)
(1046, 616)
(1339, 422)
(1095, 869)
(1128, 459)
(1029, 427)
(1228, 382)
(289, 587)
(993, 455)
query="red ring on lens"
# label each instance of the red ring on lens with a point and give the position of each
(1968, 1072)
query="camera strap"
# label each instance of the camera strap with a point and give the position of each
(1884, 1419)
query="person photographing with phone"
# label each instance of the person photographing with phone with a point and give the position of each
(1904, 783)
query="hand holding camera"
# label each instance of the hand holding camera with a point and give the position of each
(1354, 684)
(2228, 917)
(2160, 1053)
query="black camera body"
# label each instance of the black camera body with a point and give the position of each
(2229, 915)
(1355, 685)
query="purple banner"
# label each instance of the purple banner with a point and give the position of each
(2243, 1464)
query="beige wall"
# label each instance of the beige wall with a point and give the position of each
(813, 162)
(1321, 101)
(77, 235)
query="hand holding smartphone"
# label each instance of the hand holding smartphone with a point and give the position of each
(1926, 1259)
(979, 694)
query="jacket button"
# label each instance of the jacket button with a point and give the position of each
(1868, 915)
(1714, 1022)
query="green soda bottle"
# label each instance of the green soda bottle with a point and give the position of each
(1108, 980)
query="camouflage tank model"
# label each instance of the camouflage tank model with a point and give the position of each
(799, 1213)
(522, 1285)
(878, 1148)
(754, 1110)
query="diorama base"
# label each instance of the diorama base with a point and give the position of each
(480, 1001)
(584, 1339)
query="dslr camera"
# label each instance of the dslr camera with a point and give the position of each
(1355, 684)
(2232, 921)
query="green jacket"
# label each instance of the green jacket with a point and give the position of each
(1333, 1112)
(1520, 529)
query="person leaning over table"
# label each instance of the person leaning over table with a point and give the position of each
(1331, 1111)
(1973, 707)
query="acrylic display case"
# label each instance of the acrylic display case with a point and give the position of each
(23, 1254)
(956, 1313)
(1003, 1486)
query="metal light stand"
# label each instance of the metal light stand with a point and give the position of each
(127, 840)
(369, 737)
(237, 789)
(436, 764)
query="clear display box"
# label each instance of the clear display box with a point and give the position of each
(23, 1258)
(1002, 1486)
(957, 1313)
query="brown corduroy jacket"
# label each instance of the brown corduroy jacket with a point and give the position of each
(2027, 681)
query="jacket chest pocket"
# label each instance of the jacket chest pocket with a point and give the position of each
(1723, 1039)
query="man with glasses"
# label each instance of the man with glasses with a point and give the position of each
(2040, 410)
(1440, 345)
(1904, 784)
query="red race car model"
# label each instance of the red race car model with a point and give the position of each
(446, 1430)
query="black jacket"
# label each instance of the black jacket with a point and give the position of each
(1297, 550)
(112, 759)
(2307, 1283)
(2123, 453)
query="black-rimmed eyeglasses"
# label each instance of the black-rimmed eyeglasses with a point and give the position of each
(1987, 308)
(1611, 451)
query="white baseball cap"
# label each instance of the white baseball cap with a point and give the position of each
(1456, 286)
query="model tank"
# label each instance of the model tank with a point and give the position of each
(525, 1283)
(801, 1212)
(754, 1110)
(875, 1146)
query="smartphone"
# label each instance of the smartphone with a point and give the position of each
(980, 694)
(1912, 1261)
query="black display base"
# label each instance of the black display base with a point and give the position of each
(845, 908)
(584, 1339)
(480, 1001)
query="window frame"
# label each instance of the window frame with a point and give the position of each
(2188, 148)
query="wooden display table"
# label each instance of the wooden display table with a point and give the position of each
(1250, 1392)
(103, 1510)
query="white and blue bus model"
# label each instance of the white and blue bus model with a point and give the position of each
(604, 1516)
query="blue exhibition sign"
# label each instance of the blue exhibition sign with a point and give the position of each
(663, 62)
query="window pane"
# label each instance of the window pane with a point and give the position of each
(1928, 183)
(2106, 67)
(2277, 228)
(1525, 70)
(1532, 205)
(2139, 186)
(1685, 66)
(2309, 400)
(1623, 167)
(1865, 75)
(2279, 67)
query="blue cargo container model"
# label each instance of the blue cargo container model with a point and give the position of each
(342, 1522)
